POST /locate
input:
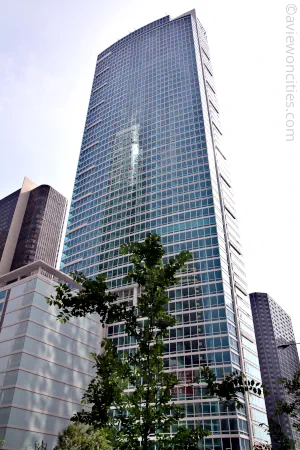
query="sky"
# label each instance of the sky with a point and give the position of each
(48, 51)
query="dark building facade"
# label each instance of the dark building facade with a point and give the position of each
(273, 327)
(152, 161)
(7, 209)
(41, 229)
(31, 224)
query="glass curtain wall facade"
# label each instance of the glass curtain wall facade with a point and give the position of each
(151, 161)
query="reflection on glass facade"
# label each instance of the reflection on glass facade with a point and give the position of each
(45, 366)
(151, 160)
(273, 327)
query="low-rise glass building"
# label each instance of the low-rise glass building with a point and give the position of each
(45, 366)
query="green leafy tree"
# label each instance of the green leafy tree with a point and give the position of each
(278, 436)
(232, 389)
(262, 446)
(131, 396)
(290, 408)
(82, 437)
(40, 445)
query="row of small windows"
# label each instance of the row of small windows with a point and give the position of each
(137, 209)
(142, 180)
(198, 303)
(175, 101)
(193, 360)
(215, 426)
(173, 218)
(196, 345)
(186, 332)
(113, 189)
(110, 251)
(200, 316)
(202, 243)
(182, 175)
(187, 225)
(161, 54)
(148, 147)
(113, 121)
(203, 175)
(185, 346)
(172, 196)
(132, 235)
(178, 63)
(128, 217)
(107, 136)
(205, 277)
(185, 130)
(169, 96)
(194, 267)
(209, 359)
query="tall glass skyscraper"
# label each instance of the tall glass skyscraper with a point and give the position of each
(151, 160)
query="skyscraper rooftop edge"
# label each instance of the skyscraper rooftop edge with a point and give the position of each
(145, 29)
(255, 293)
(38, 185)
(9, 195)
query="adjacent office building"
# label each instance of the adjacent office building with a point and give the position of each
(273, 328)
(152, 161)
(45, 366)
(31, 224)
